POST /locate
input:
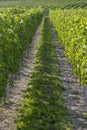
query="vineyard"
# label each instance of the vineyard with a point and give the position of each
(62, 4)
(43, 65)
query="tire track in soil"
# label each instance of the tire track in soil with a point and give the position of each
(73, 94)
(8, 112)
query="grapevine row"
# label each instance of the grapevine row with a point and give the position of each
(17, 26)
(72, 33)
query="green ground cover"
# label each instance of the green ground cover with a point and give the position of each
(43, 107)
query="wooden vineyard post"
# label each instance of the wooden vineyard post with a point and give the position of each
(85, 94)
(7, 90)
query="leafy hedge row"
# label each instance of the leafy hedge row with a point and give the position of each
(17, 26)
(43, 107)
(72, 29)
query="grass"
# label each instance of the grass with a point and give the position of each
(43, 107)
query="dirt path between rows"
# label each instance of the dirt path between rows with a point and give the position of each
(8, 112)
(73, 94)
